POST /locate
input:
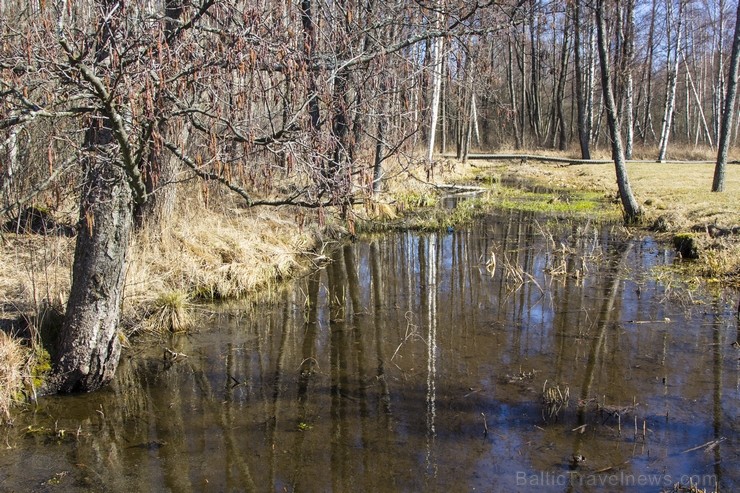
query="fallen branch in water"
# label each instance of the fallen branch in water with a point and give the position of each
(710, 445)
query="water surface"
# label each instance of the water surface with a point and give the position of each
(419, 362)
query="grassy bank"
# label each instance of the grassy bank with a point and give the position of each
(225, 252)
(678, 206)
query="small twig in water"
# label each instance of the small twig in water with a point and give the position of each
(709, 445)
(173, 355)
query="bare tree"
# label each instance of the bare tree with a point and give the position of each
(673, 31)
(584, 109)
(718, 183)
(632, 211)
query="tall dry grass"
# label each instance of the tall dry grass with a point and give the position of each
(34, 271)
(208, 255)
(13, 362)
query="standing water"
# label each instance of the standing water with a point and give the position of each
(506, 357)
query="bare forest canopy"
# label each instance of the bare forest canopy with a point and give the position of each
(303, 101)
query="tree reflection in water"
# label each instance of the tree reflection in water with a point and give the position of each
(325, 389)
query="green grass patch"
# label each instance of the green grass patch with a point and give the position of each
(560, 202)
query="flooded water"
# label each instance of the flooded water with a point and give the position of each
(511, 356)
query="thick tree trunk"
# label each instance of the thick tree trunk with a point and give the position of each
(718, 183)
(87, 352)
(632, 211)
(89, 348)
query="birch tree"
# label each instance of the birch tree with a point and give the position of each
(673, 31)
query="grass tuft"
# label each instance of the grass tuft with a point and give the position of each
(170, 312)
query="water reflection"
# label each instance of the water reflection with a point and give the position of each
(415, 362)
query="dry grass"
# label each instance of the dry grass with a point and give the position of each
(680, 190)
(206, 255)
(169, 312)
(13, 361)
(34, 271)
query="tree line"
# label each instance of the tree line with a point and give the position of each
(300, 102)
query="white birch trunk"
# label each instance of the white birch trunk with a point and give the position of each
(436, 91)
(672, 84)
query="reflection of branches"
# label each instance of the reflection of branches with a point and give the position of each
(412, 332)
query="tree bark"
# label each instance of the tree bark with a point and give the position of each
(436, 92)
(718, 183)
(629, 48)
(670, 97)
(89, 347)
(632, 211)
(159, 169)
(584, 136)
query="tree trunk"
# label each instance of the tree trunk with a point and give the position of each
(87, 352)
(512, 95)
(718, 184)
(632, 210)
(559, 120)
(380, 139)
(719, 86)
(647, 119)
(629, 48)
(590, 82)
(670, 97)
(535, 117)
(436, 94)
(160, 169)
(700, 110)
(89, 347)
(584, 137)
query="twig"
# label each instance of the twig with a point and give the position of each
(599, 471)
(709, 445)
(173, 354)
